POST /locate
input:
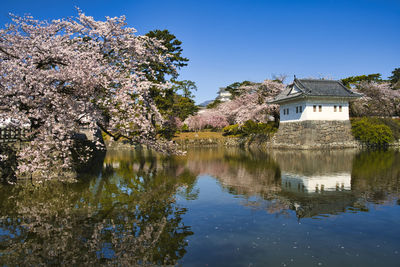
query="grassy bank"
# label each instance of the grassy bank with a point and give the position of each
(198, 135)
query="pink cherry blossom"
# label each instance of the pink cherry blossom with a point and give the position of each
(379, 99)
(57, 76)
(252, 104)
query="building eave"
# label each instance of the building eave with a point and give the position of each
(286, 99)
(305, 97)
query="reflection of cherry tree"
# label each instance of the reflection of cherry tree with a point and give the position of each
(252, 104)
(121, 218)
(248, 174)
(243, 173)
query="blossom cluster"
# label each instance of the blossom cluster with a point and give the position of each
(252, 104)
(379, 99)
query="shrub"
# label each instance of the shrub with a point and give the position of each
(185, 128)
(251, 127)
(231, 130)
(372, 132)
(393, 124)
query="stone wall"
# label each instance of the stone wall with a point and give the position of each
(314, 134)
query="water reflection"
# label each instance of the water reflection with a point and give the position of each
(126, 216)
(316, 183)
(312, 183)
(315, 171)
(124, 209)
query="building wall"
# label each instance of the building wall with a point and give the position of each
(314, 134)
(288, 111)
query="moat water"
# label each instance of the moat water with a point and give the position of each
(212, 207)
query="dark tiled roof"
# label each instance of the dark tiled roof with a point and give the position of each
(316, 88)
(285, 94)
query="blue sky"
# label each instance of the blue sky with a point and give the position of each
(228, 41)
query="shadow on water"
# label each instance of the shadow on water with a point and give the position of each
(123, 209)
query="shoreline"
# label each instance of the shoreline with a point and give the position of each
(216, 139)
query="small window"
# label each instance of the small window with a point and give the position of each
(340, 108)
(301, 109)
(284, 111)
(334, 108)
(315, 108)
(320, 108)
(297, 109)
(287, 111)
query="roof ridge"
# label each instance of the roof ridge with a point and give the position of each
(306, 89)
(347, 89)
(319, 80)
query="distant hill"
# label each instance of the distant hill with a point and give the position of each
(205, 103)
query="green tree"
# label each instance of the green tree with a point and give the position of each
(395, 78)
(173, 49)
(164, 101)
(183, 107)
(214, 104)
(170, 103)
(235, 88)
(355, 80)
(187, 87)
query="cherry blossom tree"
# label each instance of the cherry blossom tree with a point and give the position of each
(379, 100)
(251, 104)
(57, 76)
(209, 118)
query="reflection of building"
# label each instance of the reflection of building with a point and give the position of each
(314, 195)
(316, 183)
(115, 165)
(223, 95)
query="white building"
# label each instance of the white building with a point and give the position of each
(223, 95)
(309, 99)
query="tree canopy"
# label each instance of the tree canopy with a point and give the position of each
(187, 87)
(252, 104)
(235, 88)
(170, 46)
(395, 78)
(58, 76)
(354, 80)
(379, 99)
(173, 107)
